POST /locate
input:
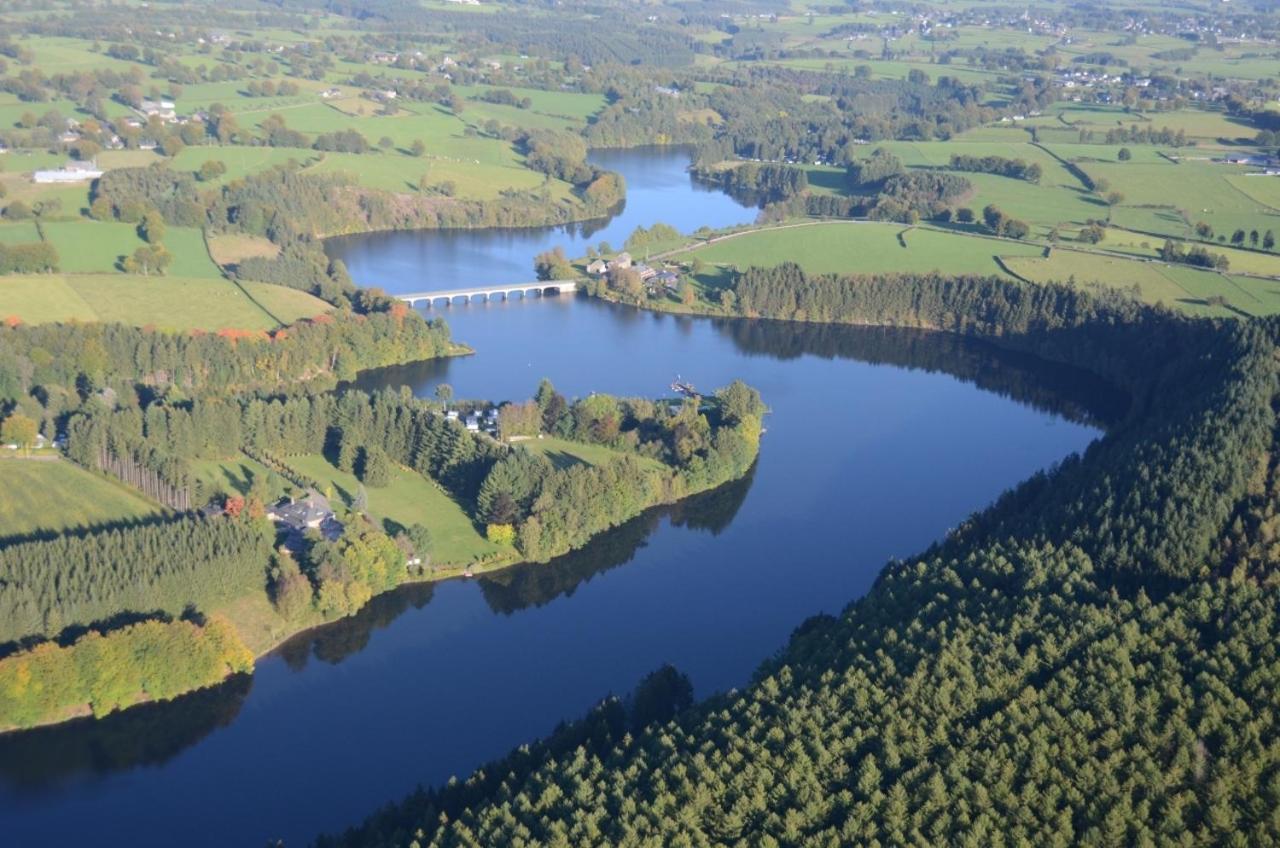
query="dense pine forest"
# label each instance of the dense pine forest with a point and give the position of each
(1092, 659)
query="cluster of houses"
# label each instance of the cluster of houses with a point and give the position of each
(653, 278)
(476, 421)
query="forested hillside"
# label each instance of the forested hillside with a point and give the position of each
(1091, 660)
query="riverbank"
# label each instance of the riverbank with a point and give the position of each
(249, 627)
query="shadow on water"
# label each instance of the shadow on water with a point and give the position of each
(534, 585)
(1069, 392)
(334, 642)
(148, 735)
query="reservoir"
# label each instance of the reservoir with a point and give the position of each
(879, 442)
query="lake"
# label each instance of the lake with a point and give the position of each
(878, 442)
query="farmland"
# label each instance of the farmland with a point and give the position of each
(169, 303)
(863, 248)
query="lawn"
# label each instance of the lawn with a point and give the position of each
(56, 495)
(865, 248)
(410, 499)
(234, 477)
(168, 303)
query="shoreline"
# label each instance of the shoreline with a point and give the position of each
(451, 572)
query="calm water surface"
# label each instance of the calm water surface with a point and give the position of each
(879, 441)
(658, 189)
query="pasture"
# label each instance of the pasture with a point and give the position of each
(39, 496)
(240, 161)
(97, 247)
(167, 303)
(1182, 287)
(18, 232)
(863, 248)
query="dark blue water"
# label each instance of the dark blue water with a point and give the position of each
(878, 443)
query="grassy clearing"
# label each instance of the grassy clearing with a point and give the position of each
(167, 303)
(57, 495)
(410, 499)
(864, 248)
(190, 255)
(42, 299)
(564, 453)
(234, 476)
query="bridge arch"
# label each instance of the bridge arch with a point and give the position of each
(447, 297)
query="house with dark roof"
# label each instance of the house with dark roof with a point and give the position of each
(295, 516)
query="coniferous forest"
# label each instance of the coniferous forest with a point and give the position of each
(1090, 660)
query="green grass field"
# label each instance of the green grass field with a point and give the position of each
(410, 499)
(1058, 199)
(396, 172)
(88, 247)
(234, 476)
(18, 232)
(564, 453)
(240, 161)
(92, 247)
(864, 248)
(168, 303)
(1205, 191)
(1180, 287)
(1241, 261)
(56, 495)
